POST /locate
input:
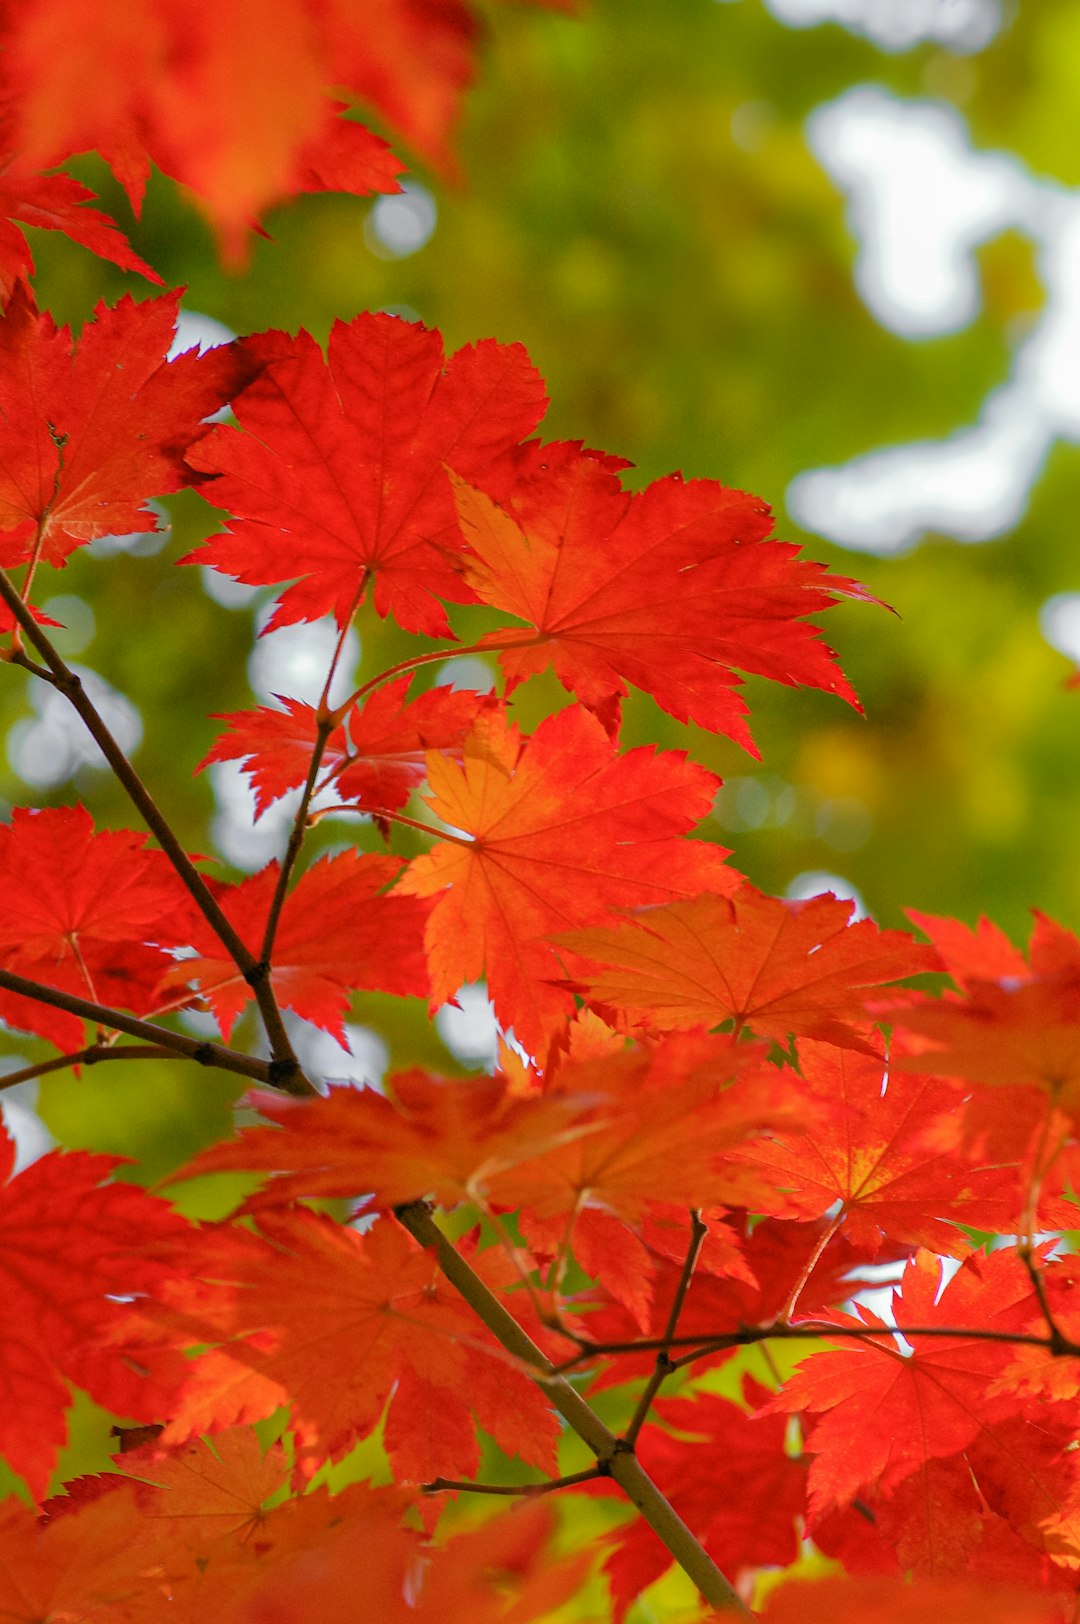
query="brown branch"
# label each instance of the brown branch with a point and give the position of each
(1058, 1342)
(91, 1056)
(288, 1072)
(748, 1335)
(446, 1485)
(615, 1458)
(207, 1054)
(664, 1366)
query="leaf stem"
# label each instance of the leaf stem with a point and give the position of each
(615, 1457)
(453, 653)
(288, 1072)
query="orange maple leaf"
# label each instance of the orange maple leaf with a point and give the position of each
(313, 1314)
(778, 968)
(1011, 1021)
(867, 1159)
(556, 830)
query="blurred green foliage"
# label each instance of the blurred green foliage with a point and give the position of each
(642, 211)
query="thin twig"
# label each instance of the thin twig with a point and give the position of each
(452, 653)
(664, 1366)
(1059, 1343)
(615, 1458)
(91, 1056)
(206, 1053)
(288, 1073)
(748, 1335)
(447, 1485)
(324, 726)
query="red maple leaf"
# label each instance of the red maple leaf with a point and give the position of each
(555, 830)
(883, 1415)
(1011, 1022)
(867, 1160)
(89, 432)
(338, 473)
(275, 747)
(240, 113)
(77, 1249)
(87, 912)
(376, 761)
(668, 589)
(729, 1480)
(773, 966)
(54, 203)
(327, 1320)
(336, 933)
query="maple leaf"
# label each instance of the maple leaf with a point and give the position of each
(866, 1159)
(1011, 1022)
(275, 747)
(731, 1483)
(82, 911)
(75, 1247)
(77, 1566)
(438, 1137)
(884, 1601)
(54, 203)
(376, 762)
(666, 1121)
(668, 590)
(327, 1320)
(774, 966)
(237, 112)
(883, 1415)
(338, 472)
(556, 830)
(335, 933)
(89, 432)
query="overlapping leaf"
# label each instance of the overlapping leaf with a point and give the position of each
(1012, 1021)
(668, 590)
(90, 431)
(439, 1137)
(338, 473)
(776, 967)
(867, 1160)
(884, 1415)
(76, 1248)
(82, 911)
(556, 830)
(336, 933)
(329, 1321)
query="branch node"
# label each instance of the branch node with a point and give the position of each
(257, 974)
(280, 1073)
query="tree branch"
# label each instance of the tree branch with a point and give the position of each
(446, 1485)
(664, 1366)
(290, 1075)
(207, 1054)
(615, 1457)
(91, 1056)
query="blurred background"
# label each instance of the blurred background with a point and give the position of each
(824, 250)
